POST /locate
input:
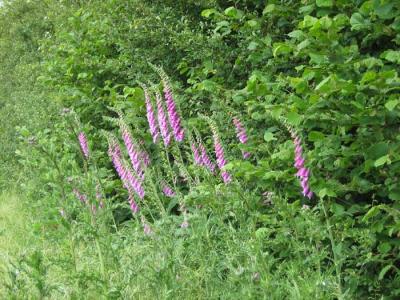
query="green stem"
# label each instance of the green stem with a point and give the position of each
(333, 246)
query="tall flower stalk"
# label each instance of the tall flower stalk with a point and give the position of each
(84, 144)
(303, 173)
(173, 115)
(241, 135)
(154, 130)
(162, 121)
(124, 174)
(134, 153)
(219, 153)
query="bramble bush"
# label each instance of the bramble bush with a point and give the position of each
(265, 166)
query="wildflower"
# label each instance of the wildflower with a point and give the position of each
(221, 162)
(196, 155)
(134, 154)
(162, 121)
(302, 172)
(129, 181)
(241, 135)
(173, 115)
(84, 144)
(146, 227)
(62, 213)
(205, 159)
(154, 131)
(168, 191)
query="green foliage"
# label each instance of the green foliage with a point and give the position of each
(328, 69)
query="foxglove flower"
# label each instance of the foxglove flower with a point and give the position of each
(241, 135)
(124, 174)
(196, 155)
(302, 172)
(146, 227)
(168, 191)
(154, 131)
(84, 144)
(219, 153)
(173, 115)
(205, 159)
(162, 121)
(134, 154)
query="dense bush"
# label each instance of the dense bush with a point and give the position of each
(323, 71)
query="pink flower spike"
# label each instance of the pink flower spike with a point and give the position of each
(154, 131)
(162, 121)
(196, 155)
(246, 155)
(84, 144)
(168, 191)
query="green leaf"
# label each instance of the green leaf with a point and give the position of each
(269, 136)
(324, 3)
(293, 118)
(392, 56)
(382, 160)
(358, 22)
(384, 271)
(281, 48)
(233, 12)
(208, 12)
(269, 8)
(394, 195)
(384, 248)
(391, 104)
(326, 192)
(315, 136)
(252, 46)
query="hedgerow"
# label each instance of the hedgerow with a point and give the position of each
(208, 149)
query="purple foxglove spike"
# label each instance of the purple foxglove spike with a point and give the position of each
(168, 191)
(221, 162)
(84, 144)
(246, 155)
(240, 131)
(299, 163)
(146, 227)
(154, 131)
(310, 195)
(133, 153)
(196, 155)
(162, 121)
(226, 177)
(205, 159)
(298, 150)
(173, 115)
